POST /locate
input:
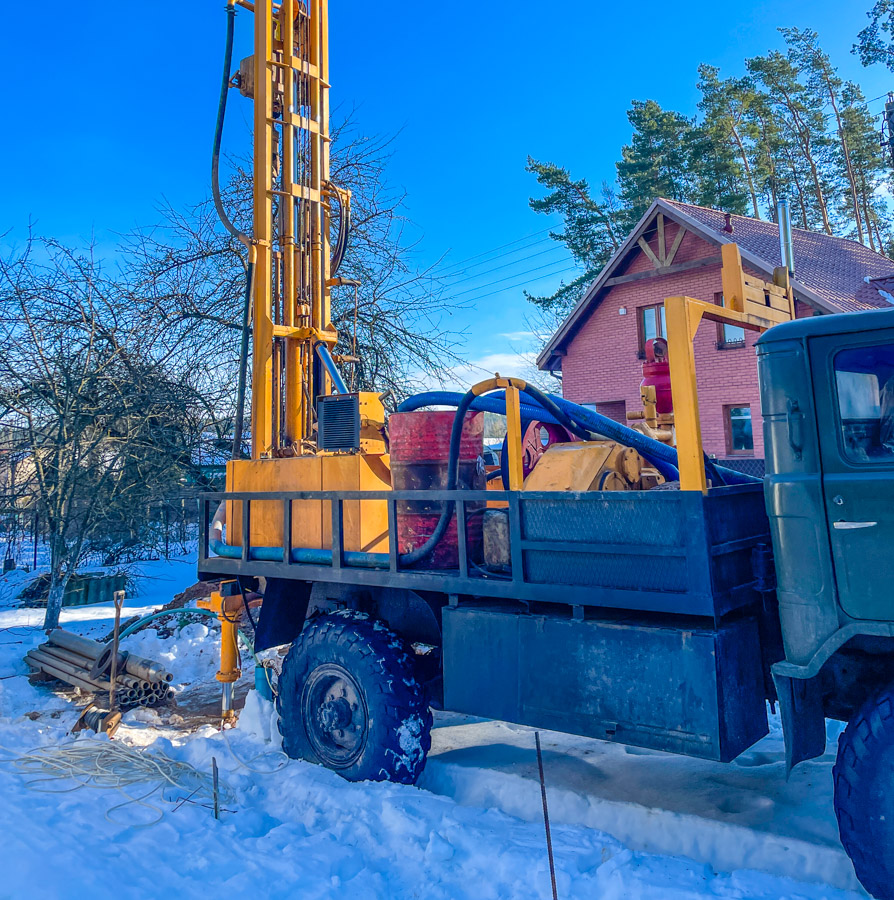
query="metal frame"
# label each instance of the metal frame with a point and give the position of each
(748, 302)
(699, 598)
(291, 281)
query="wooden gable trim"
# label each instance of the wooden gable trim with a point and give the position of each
(714, 260)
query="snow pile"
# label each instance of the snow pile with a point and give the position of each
(289, 828)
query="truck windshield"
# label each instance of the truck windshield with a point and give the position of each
(864, 378)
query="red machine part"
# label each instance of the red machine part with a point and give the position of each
(538, 437)
(419, 444)
(656, 372)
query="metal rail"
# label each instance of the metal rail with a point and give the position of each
(689, 554)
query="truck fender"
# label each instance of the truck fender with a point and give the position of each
(803, 720)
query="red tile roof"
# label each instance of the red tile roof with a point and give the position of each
(832, 274)
(834, 268)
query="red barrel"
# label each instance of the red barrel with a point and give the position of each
(419, 444)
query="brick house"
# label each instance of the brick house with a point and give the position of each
(675, 249)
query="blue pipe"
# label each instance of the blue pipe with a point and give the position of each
(662, 456)
(307, 555)
(329, 363)
(653, 451)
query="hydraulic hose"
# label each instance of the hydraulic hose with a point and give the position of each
(219, 126)
(447, 509)
(577, 419)
(661, 456)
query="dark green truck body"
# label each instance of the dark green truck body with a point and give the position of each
(827, 399)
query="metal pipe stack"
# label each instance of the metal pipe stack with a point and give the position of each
(84, 664)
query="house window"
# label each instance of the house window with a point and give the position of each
(651, 324)
(728, 336)
(737, 424)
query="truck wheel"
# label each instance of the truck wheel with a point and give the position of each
(864, 793)
(348, 699)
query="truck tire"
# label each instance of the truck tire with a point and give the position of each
(864, 793)
(348, 699)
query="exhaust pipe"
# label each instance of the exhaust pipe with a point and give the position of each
(786, 250)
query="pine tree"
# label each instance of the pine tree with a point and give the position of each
(868, 164)
(875, 43)
(804, 126)
(658, 160)
(592, 231)
(725, 104)
(824, 85)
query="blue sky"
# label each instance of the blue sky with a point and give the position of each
(109, 109)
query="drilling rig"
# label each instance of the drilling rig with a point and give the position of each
(602, 580)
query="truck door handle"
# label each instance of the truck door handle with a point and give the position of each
(852, 526)
(795, 420)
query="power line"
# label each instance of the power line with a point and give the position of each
(508, 278)
(495, 249)
(525, 281)
(506, 265)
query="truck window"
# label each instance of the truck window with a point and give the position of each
(864, 378)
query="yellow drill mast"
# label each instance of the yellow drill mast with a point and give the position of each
(288, 78)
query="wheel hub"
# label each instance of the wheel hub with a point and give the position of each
(335, 715)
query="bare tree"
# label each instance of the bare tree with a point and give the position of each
(398, 327)
(95, 401)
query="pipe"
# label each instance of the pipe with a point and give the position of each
(76, 643)
(329, 364)
(786, 249)
(146, 669)
(64, 671)
(306, 555)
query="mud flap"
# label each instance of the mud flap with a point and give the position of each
(803, 722)
(282, 613)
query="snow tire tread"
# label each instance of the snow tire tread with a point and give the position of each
(865, 755)
(382, 664)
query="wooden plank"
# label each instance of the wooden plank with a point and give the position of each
(678, 239)
(648, 251)
(662, 246)
(732, 277)
(664, 270)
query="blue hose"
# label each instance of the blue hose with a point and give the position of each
(307, 555)
(661, 456)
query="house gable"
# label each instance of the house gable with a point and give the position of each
(756, 241)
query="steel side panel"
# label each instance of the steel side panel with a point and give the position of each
(481, 663)
(696, 692)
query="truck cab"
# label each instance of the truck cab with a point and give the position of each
(827, 398)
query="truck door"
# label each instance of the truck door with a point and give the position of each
(854, 392)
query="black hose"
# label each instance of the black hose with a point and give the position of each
(238, 426)
(251, 619)
(218, 129)
(447, 508)
(344, 231)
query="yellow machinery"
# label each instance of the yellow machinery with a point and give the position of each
(294, 207)
(301, 410)
(749, 302)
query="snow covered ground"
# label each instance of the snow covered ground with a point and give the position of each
(626, 823)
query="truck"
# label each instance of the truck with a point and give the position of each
(601, 580)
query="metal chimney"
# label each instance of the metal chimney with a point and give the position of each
(786, 250)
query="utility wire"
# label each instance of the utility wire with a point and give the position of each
(522, 283)
(462, 262)
(510, 277)
(516, 262)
